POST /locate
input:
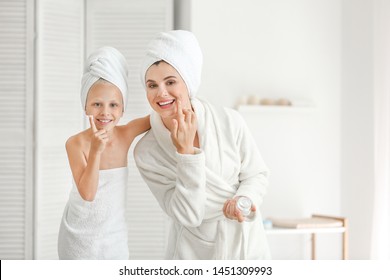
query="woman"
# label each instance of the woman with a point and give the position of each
(198, 159)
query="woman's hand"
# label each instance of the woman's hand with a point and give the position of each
(231, 211)
(184, 130)
(99, 138)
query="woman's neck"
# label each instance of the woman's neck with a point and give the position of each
(168, 122)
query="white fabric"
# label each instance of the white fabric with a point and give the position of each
(181, 50)
(192, 189)
(109, 64)
(97, 229)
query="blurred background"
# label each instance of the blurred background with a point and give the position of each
(328, 152)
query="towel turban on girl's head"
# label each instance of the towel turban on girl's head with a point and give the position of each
(181, 50)
(109, 64)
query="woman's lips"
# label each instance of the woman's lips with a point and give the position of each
(166, 103)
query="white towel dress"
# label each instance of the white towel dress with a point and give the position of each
(97, 229)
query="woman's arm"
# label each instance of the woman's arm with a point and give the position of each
(178, 187)
(253, 176)
(254, 173)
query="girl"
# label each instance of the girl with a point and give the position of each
(93, 225)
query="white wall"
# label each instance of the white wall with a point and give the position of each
(357, 129)
(319, 50)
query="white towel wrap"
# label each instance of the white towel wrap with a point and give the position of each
(109, 64)
(181, 50)
(97, 229)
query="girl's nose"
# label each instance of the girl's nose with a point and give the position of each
(105, 110)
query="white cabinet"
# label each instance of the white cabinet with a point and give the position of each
(16, 142)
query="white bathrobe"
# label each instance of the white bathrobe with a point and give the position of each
(192, 189)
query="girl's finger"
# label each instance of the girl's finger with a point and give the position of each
(92, 123)
(100, 132)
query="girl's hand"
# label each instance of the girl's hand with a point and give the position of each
(99, 138)
(184, 130)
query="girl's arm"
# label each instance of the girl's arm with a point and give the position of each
(86, 172)
(137, 126)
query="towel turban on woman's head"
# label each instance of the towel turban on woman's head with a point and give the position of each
(109, 64)
(181, 50)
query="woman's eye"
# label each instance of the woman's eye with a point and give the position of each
(170, 82)
(114, 104)
(151, 85)
(96, 104)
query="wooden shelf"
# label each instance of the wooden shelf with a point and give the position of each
(273, 108)
(343, 229)
(279, 230)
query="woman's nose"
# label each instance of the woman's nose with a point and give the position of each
(162, 91)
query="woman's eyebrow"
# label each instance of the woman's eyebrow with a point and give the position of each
(169, 77)
(166, 78)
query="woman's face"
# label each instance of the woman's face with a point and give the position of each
(164, 87)
(105, 103)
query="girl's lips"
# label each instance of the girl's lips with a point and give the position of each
(104, 122)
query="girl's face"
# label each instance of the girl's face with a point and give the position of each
(164, 87)
(105, 103)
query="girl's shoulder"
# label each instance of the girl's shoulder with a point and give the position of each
(78, 140)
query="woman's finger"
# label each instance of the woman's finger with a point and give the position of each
(180, 116)
(187, 115)
(253, 208)
(174, 129)
(224, 208)
(194, 120)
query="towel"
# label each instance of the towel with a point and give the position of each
(96, 230)
(181, 50)
(109, 64)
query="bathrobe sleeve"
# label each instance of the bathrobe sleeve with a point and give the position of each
(253, 176)
(179, 187)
